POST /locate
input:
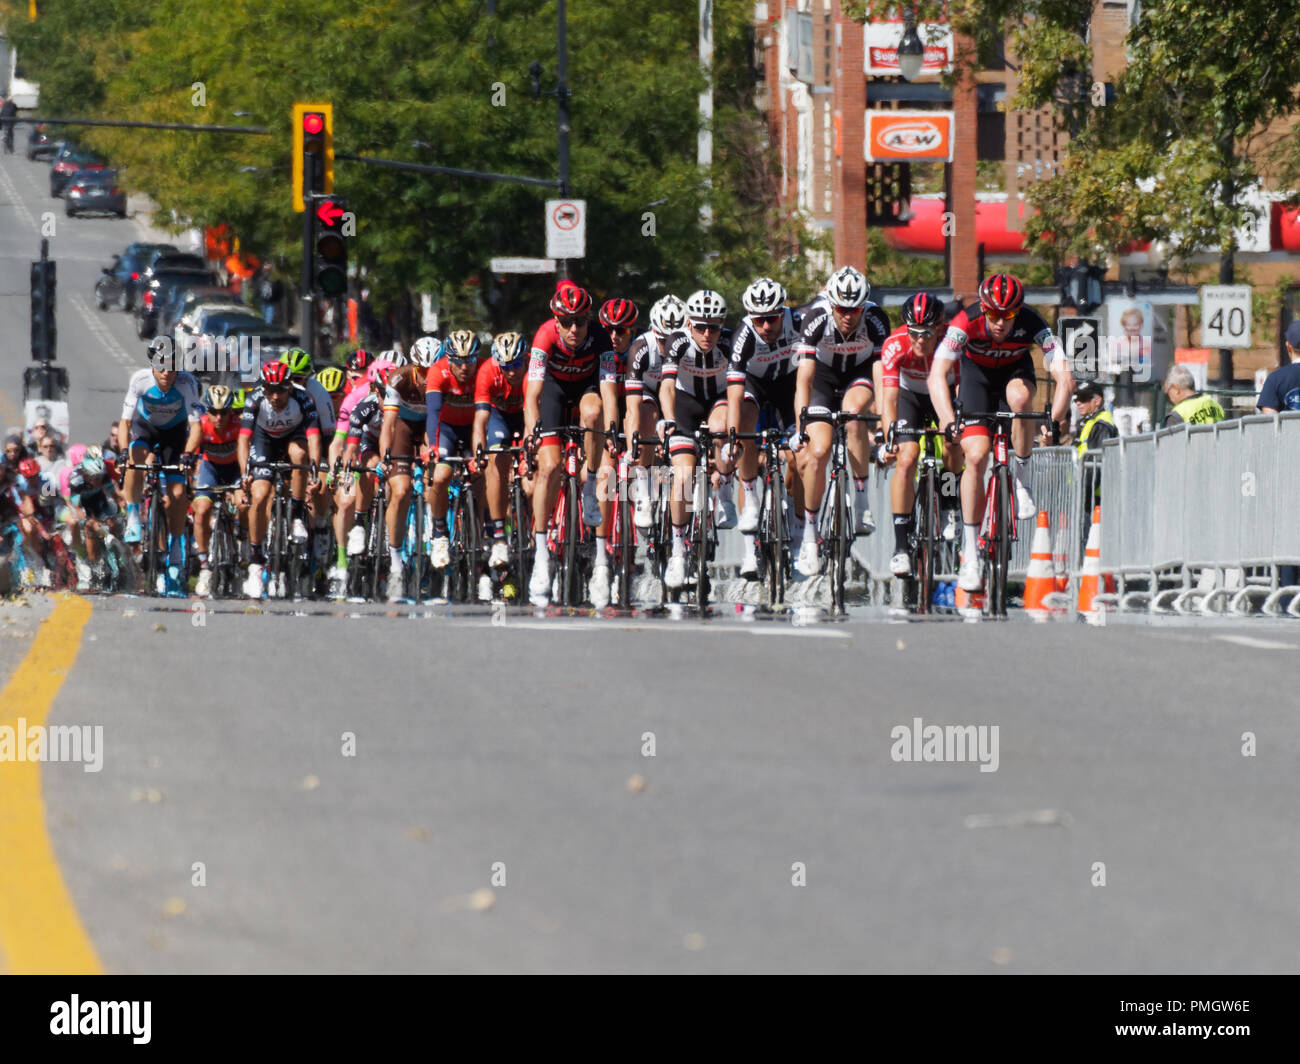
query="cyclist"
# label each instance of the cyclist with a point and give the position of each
(38, 502)
(992, 338)
(905, 401)
(498, 418)
(641, 387)
(450, 405)
(839, 359)
(763, 370)
(619, 317)
(90, 495)
(302, 373)
(693, 391)
(402, 433)
(355, 366)
(355, 491)
(218, 467)
(160, 418)
(563, 376)
(279, 423)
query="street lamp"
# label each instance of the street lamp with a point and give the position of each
(911, 52)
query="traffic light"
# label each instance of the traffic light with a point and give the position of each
(313, 151)
(1081, 286)
(44, 332)
(330, 253)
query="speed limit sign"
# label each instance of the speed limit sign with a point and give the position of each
(1225, 315)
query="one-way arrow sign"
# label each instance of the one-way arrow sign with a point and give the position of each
(1081, 339)
(329, 212)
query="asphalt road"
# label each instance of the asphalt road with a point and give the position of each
(329, 789)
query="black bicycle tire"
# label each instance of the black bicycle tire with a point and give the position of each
(838, 534)
(701, 544)
(378, 533)
(572, 519)
(416, 575)
(522, 530)
(626, 544)
(1004, 538)
(923, 571)
(474, 553)
(772, 537)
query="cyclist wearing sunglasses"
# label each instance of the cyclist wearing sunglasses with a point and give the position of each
(905, 362)
(498, 417)
(645, 359)
(839, 362)
(563, 377)
(762, 372)
(693, 391)
(993, 339)
(279, 424)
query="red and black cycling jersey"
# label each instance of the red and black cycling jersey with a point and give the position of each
(297, 418)
(902, 366)
(645, 364)
(550, 356)
(492, 389)
(453, 402)
(821, 340)
(219, 448)
(968, 332)
(702, 374)
(752, 356)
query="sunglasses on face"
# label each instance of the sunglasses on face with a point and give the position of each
(848, 311)
(569, 323)
(706, 327)
(768, 319)
(994, 316)
(275, 389)
(619, 330)
(462, 361)
(920, 334)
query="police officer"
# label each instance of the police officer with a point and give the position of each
(1096, 425)
(1189, 405)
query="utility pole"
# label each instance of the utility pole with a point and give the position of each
(561, 94)
(704, 149)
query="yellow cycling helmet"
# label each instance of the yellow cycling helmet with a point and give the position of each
(331, 379)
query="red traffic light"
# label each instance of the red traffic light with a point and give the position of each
(313, 122)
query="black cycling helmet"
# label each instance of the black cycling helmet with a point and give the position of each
(923, 311)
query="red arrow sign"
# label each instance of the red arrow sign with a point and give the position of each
(329, 213)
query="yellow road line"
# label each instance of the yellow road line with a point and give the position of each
(40, 932)
(10, 415)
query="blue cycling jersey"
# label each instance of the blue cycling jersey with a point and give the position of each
(158, 409)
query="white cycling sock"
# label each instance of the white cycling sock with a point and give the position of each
(600, 550)
(539, 540)
(970, 536)
(1022, 471)
(679, 539)
(394, 556)
(751, 488)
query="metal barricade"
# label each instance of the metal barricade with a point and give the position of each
(1202, 491)
(1257, 493)
(1169, 471)
(1284, 489)
(1054, 483)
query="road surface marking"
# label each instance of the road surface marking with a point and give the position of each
(1258, 644)
(40, 932)
(10, 190)
(100, 332)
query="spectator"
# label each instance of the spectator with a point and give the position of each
(270, 291)
(1189, 405)
(1096, 425)
(8, 112)
(50, 456)
(1281, 389)
(14, 452)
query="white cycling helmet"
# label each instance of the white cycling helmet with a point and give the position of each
(668, 315)
(764, 296)
(395, 356)
(706, 305)
(848, 288)
(425, 351)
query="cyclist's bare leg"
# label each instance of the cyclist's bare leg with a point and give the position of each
(546, 485)
(439, 500)
(202, 507)
(1020, 398)
(497, 476)
(298, 482)
(259, 514)
(816, 456)
(858, 433)
(902, 489)
(590, 412)
(399, 498)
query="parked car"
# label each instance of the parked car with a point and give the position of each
(69, 160)
(155, 292)
(195, 311)
(267, 342)
(41, 141)
(94, 190)
(172, 260)
(185, 298)
(118, 282)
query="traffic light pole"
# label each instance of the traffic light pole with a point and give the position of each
(307, 305)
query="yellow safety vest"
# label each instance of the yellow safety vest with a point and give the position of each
(1200, 409)
(1086, 430)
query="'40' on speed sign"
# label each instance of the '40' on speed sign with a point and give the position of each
(1225, 315)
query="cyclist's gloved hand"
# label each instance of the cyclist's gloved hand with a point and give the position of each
(797, 440)
(381, 470)
(952, 433)
(188, 458)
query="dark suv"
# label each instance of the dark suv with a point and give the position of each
(119, 281)
(158, 290)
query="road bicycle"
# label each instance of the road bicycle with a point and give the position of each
(465, 531)
(366, 570)
(415, 556)
(772, 539)
(223, 549)
(570, 539)
(288, 560)
(153, 520)
(837, 522)
(925, 541)
(998, 527)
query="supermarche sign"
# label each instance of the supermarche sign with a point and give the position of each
(1225, 315)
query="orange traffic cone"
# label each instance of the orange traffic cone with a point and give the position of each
(1040, 581)
(1091, 575)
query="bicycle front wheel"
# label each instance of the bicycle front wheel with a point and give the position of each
(839, 541)
(570, 592)
(1003, 539)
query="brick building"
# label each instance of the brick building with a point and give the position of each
(827, 77)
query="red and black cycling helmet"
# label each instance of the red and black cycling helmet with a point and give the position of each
(923, 311)
(1002, 294)
(275, 373)
(570, 301)
(359, 360)
(29, 468)
(618, 314)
